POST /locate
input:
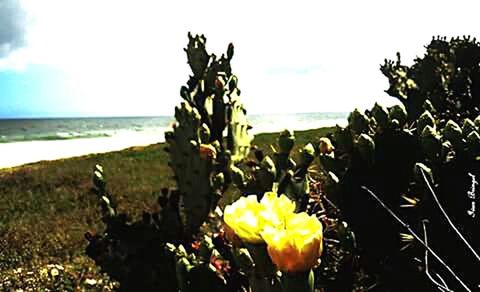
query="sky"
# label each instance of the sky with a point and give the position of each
(125, 58)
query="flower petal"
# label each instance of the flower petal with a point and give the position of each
(242, 217)
(297, 247)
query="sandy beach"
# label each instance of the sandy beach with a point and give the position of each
(19, 153)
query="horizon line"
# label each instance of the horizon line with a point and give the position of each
(145, 116)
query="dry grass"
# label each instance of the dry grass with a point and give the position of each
(46, 208)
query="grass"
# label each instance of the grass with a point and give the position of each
(46, 208)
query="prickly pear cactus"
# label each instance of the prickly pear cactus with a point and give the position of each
(199, 154)
(192, 164)
(425, 119)
(197, 55)
(358, 122)
(431, 143)
(197, 273)
(380, 114)
(398, 116)
(283, 162)
(280, 172)
(386, 150)
(447, 75)
(136, 253)
(389, 157)
(238, 136)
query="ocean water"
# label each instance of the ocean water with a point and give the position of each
(299, 121)
(22, 130)
(17, 130)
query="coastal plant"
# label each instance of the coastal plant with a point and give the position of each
(135, 253)
(189, 246)
(390, 158)
(447, 76)
(420, 158)
(211, 105)
(302, 223)
(278, 172)
(293, 241)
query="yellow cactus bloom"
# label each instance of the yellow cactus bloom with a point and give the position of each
(276, 209)
(294, 241)
(247, 217)
(243, 217)
(298, 246)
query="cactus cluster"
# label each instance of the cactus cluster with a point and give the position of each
(381, 150)
(430, 140)
(200, 158)
(132, 252)
(210, 264)
(278, 172)
(447, 75)
(192, 160)
(198, 151)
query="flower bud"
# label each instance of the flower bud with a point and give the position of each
(325, 145)
(207, 152)
(307, 155)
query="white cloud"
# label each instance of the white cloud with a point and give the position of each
(127, 56)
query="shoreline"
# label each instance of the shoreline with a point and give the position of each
(49, 206)
(17, 154)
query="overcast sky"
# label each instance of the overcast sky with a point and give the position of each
(99, 57)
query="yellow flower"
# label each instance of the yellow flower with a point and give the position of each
(243, 217)
(294, 241)
(276, 209)
(298, 246)
(247, 217)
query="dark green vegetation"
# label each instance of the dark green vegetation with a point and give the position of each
(183, 244)
(392, 177)
(399, 153)
(448, 75)
(46, 208)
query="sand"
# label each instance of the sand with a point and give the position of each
(19, 153)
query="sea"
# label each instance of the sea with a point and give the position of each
(46, 129)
